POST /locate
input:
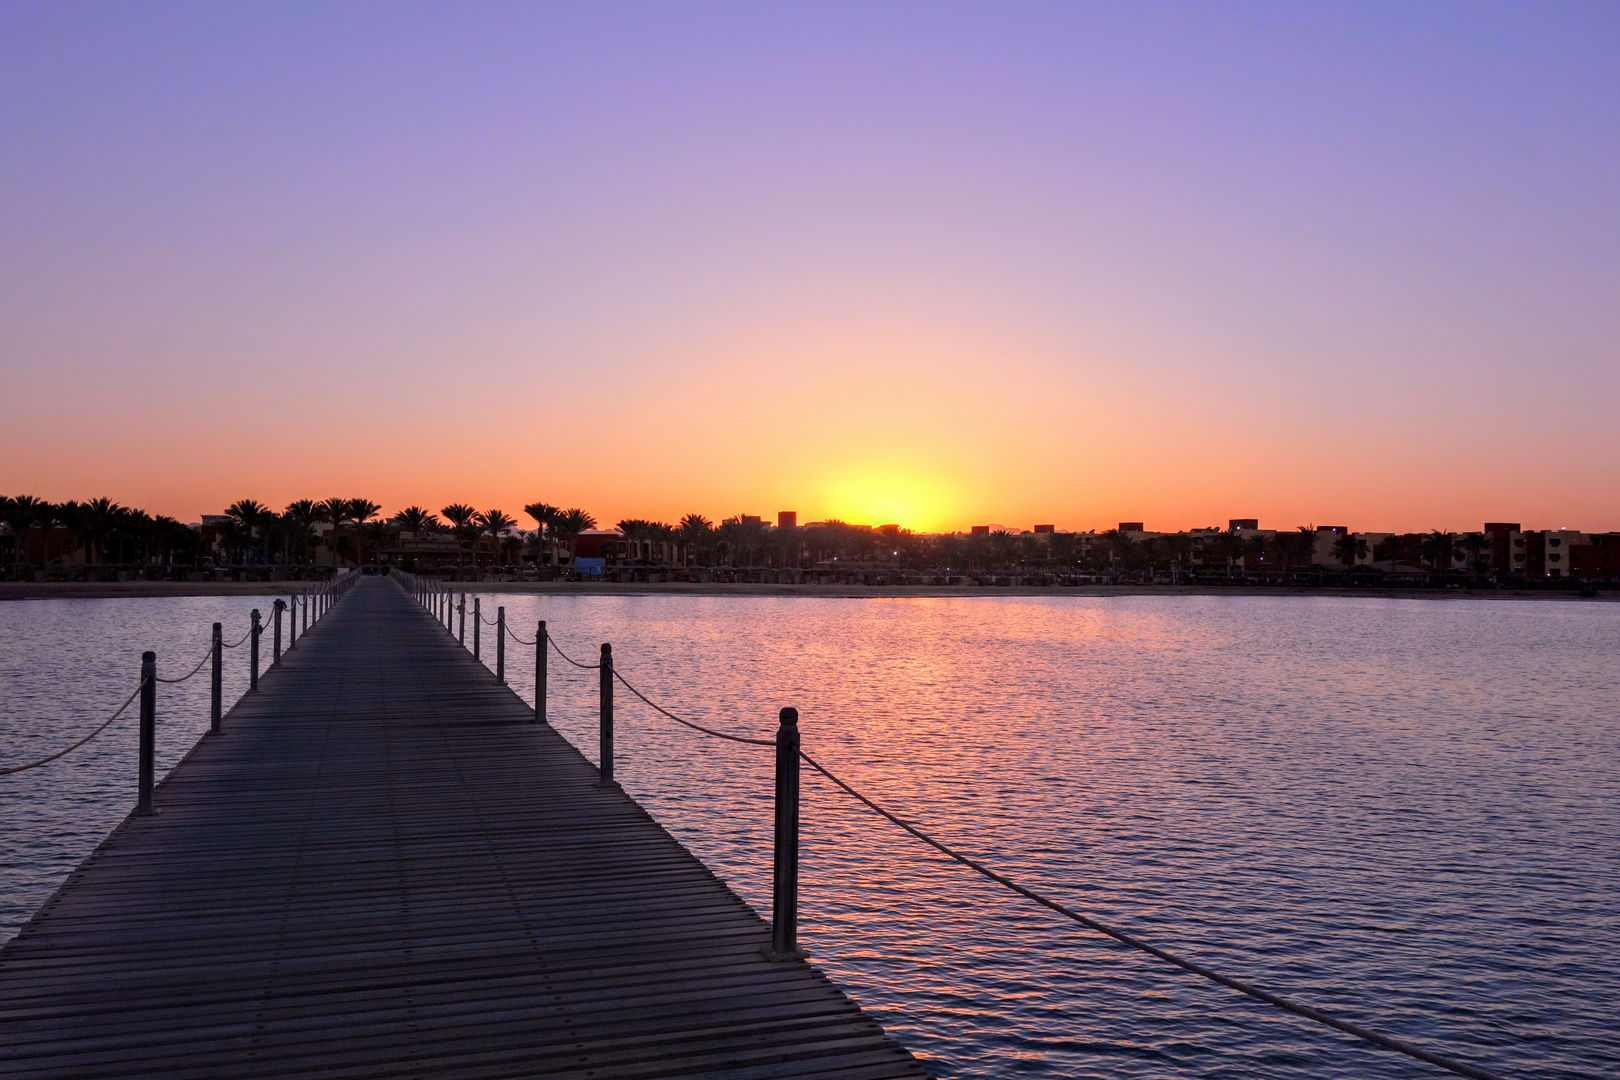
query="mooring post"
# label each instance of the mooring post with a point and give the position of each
(253, 633)
(540, 673)
(275, 617)
(500, 645)
(305, 606)
(478, 626)
(785, 893)
(461, 634)
(216, 682)
(292, 621)
(605, 734)
(143, 803)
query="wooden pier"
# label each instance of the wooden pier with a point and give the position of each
(384, 868)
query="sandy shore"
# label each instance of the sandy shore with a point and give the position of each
(58, 590)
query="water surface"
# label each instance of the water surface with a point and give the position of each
(1401, 810)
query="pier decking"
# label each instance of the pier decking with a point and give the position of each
(384, 869)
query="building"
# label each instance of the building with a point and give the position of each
(1502, 536)
(600, 544)
(1131, 526)
(1597, 557)
(979, 530)
(1241, 524)
(1046, 528)
(787, 519)
(1548, 552)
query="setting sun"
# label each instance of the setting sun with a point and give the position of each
(880, 494)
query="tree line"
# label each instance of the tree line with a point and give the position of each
(252, 531)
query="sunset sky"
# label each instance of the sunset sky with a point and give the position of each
(933, 264)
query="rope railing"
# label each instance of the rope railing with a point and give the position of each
(558, 650)
(150, 680)
(1279, 1001)
(785, 900)
(206, 656)
(63, 753)
(695, 727)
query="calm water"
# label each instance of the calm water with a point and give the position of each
(1404, 811)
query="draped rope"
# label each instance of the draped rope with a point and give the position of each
(81, 742)
(1286, 1004)
(688, 723)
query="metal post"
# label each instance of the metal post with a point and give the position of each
(461, 635)
(305, 606)
(785, 894)
(500, 645)
(253, 632)
(143, 802)
(292, 621)
(478, 626)
(275, 617)
(605, 734)
(540, 673)
(216, 683)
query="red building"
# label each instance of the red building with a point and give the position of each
(1599, 557)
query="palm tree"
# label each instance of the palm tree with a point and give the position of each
(1440, 548)
(1258, 545)
(1303, 544)
(695, 531)
(639, 531)
(545, 517)
(1476, 544)
(460, 516)
(1394, 549)
(362, 510)
(21, 513)
(300, 518)
(1349, 549)
(252, 519)
(572, 522)
(495, 522)
(415, 520)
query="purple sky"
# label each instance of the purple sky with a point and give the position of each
(934, 263)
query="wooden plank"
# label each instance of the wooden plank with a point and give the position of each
(383, 869)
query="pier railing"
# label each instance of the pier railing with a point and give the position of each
(311, 604)
(451, 610)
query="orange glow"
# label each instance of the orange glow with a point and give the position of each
(881, 493)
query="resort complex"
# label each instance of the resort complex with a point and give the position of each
(101, 540)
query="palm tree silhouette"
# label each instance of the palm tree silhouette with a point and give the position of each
(253, 519)
(416, 520)
(695, 531)
(495, 522)
(545, 516)
(572, 522)
(460, 516)
(1349, 549)
(640, 531)
(301, 516)
(360, 512)
(1394, 546)
(21, 513)
(1440, 547)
